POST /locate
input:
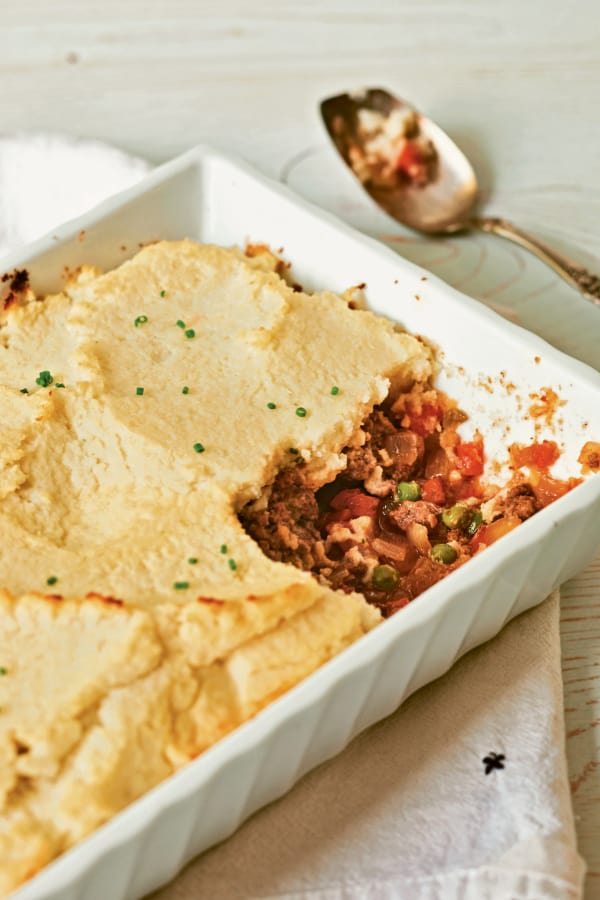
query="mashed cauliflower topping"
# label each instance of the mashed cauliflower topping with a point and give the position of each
(139, 623)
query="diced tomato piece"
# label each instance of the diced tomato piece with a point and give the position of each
(412, 163)
(467, 487)
(426, 420)
(356, 502)
(433, 490)
(469, 458)
(391, 605)
(540, 456)
(548, 489)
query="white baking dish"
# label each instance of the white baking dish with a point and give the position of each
(206, 196)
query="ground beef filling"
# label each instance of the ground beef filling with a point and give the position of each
(408, 509)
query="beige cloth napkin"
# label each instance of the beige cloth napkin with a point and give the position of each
(407, 811)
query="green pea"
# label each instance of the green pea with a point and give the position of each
(443, 553)
(455, 516)
(476, 520)
(385, 578)
(408, 490)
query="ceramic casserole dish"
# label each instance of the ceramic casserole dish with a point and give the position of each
(491, 367)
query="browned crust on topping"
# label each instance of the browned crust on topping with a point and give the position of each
(211, 601)
(252, 250)
(49, 598)
(18, 284)
(281, 265)
(111, 601)
(19, 279)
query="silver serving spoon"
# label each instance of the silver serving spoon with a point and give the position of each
(412, 169)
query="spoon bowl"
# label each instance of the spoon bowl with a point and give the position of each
(444, 202)
(416, 173)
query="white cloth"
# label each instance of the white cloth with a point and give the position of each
(46, 179)
(406, 812)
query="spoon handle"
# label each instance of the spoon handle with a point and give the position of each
(578, 277)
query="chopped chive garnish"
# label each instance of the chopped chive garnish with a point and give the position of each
(271, 406)
(44, 378)
(162, 293)
(294, 450)
(185, 389)
(140, 320)
(59, 384)
(3, 670)
(139, 391)
(300, 411)
(223, 548)
(181, 585)
(180, 323)
(232, 564)
(52, 579)
(190, 333)
(199, 448)
(24, 391)
(335, 390)
(193, 560)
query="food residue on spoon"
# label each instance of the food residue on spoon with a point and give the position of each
(388, 150)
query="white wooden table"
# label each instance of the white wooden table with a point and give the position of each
(517, 84)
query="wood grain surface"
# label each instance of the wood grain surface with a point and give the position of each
(516, 84)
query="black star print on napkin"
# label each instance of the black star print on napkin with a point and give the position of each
(493, 761)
